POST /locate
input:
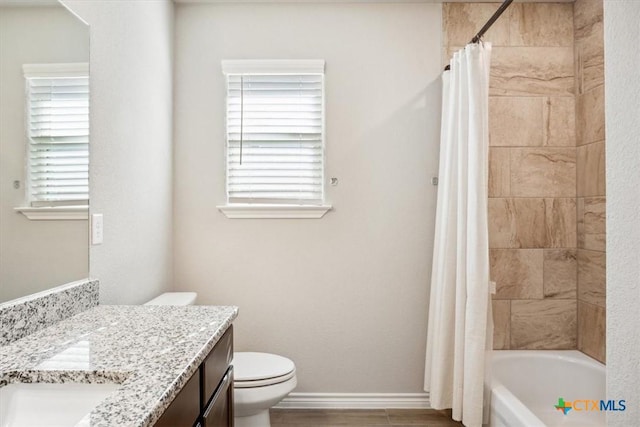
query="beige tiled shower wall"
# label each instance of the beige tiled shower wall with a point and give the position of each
(533, 168)
(590, 202)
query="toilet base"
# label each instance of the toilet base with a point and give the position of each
(261, 419)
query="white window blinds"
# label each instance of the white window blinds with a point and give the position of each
(58, 133)
(275, 132)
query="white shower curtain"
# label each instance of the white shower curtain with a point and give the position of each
(460, 328)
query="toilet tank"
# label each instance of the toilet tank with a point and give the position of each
(174, 298)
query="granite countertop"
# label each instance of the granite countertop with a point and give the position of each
(150, 350)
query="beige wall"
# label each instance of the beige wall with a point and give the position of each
(590, 133)
(345, 296)
(34, 255)
(131, 145)
(532, 188)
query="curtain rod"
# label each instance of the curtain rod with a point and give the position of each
(489, 23)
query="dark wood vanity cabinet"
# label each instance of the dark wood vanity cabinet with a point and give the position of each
(219, 411)
(216, 384)
(207, 398)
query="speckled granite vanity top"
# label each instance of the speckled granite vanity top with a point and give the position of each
(150, 350)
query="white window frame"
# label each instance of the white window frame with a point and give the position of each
(54, 210)
(262, 210)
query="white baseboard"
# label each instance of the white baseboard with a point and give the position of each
(355, 401)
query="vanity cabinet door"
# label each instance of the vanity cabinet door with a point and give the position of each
(207, 398)
(219, 412)
(215, 366)
(185, 408)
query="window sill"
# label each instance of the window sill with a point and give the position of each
(240, 211)
(55, 213)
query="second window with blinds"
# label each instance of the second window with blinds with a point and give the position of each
(57, 131)
(274, 139)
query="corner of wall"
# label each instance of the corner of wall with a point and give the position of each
(131, 119)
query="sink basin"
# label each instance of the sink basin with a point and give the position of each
(50, 405)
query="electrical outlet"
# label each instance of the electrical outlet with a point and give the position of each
(97, 229)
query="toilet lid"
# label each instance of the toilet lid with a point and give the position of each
(259, 369)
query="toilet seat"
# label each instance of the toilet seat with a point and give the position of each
(264, 382)
(261, 369)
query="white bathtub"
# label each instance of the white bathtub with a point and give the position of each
(526, 384)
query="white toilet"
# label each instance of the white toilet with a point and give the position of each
(174, 298)
(260, 380)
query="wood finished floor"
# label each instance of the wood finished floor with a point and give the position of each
(361, 418)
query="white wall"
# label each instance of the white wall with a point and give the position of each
(622, 108)
(346, 296)
(131, 145)
(59, 249)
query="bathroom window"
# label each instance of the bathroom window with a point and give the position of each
(57, 126)
(274, 138)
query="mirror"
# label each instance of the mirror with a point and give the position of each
(44, 233)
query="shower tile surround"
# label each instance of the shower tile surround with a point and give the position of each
(546, 170)
(591, 201)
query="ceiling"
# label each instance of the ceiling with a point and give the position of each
(55, 2)
(366, 1)
(29, 3)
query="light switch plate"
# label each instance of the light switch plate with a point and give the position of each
(97, 229)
